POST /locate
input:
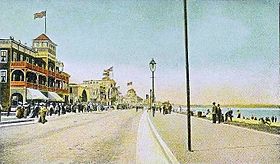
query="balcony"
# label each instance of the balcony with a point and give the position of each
(28, 85)
(65, 91)
(51, 89)
(24, 64)
(18, 83)
(50, 73)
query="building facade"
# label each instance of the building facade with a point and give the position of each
(31, 73)
(132, 99)
(103, 91)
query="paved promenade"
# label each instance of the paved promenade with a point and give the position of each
(98, 137)
(217, 143)
(148, 148)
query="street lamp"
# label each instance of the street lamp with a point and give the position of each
(152, 65)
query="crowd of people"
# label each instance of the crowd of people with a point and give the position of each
(165, 108)
(217, 115)
(43, 109)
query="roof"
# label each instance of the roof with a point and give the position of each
(43, 37)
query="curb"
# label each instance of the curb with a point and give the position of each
(17, 123)
(170, 156)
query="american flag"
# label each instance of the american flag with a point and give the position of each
(110, 69)
(40, 14)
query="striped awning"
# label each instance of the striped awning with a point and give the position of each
(34, 94)
(54, 97)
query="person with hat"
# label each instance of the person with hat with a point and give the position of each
(26, 107)
(219, 113)
(43, 112)
(19, 110)
(35, 110)
(51, 109)
(214, 112)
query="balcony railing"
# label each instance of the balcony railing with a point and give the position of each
(37, 86)
(24, 64)
(18, 83)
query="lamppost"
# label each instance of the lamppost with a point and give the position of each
(153, 69)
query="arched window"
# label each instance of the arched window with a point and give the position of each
(17, 75)
(84, 96)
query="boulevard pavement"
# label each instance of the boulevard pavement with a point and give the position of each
(104, 137)
(217, 143)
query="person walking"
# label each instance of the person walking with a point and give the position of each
(19, 110)
(169, 109)
(43, 112)
(214, 112)
(219, 113)
(1, 108)
(26, 110)
(154, 110)
(51, 109)
(36, 110)
(9, 110)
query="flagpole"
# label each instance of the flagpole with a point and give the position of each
(46, 23)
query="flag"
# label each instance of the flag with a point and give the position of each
(110, 69)
(40, 14)
(106, 73)
(130, 83)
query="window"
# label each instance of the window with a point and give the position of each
(14, 56)
(3, 76)
(4, 56)
(21, 57)
(27, 59)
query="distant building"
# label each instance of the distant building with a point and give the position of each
(31, 73)
(132, 99)
(103, 91)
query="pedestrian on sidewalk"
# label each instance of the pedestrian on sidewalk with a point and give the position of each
(214, 112)
(43, 112)
(51, 109)
(219, 113)
(35, 111)
(154, 110)
(169, 109)
(1, 108)
(19, 110)
(9, 110)
(163, 109)
(26, 110)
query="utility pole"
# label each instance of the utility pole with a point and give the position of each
(279, 50)
(187, 78)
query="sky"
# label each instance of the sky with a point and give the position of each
(233, 45)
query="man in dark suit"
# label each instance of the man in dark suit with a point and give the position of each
(214, 112)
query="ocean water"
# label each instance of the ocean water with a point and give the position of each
(247, 112)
